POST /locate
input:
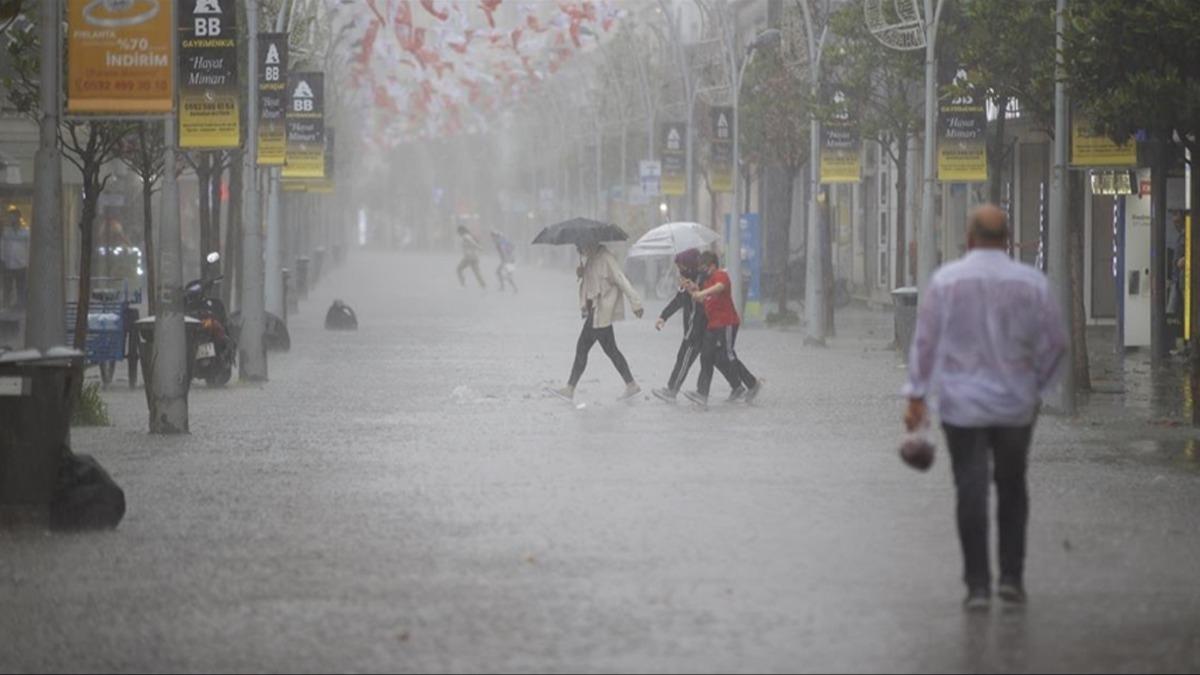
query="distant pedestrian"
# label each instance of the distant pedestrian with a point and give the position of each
(508, 260)
(695, 326)
(988, 341)
(719, 340)
(14, 258)
(470, 256)
(603, 289)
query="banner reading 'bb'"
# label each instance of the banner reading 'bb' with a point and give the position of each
(305, 126)
(208, 74)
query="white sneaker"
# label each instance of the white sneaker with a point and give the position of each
(566, 393)
(632, 389)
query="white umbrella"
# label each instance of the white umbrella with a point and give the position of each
(672, 239)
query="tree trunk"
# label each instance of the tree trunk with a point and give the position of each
(902, 211)
(233, 235)
(213, 244)
(827, 261)
(87, 229)
(203, 190)
(778, 209)
(1158, 247)
(997, 156)
(1194, 287)
(148, 254)
(1075, 242)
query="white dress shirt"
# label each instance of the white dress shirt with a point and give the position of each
(988, 341)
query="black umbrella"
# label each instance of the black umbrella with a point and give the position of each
(580, 231)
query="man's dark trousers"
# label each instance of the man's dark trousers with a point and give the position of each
(1002, 454)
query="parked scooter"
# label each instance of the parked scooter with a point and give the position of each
(216, 349)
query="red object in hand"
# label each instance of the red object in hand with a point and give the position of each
(917, 451)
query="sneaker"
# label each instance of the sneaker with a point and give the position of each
(752, 393)
(566, 393)
(664, 394)
(632, 389)
(737, 393)
(1011, 592)
(697, 398)
(978, 600)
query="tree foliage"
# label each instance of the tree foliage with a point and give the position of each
(774, 114)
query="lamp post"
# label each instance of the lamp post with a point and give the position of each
(814, 284)
(738, 71)
(46, 299)
(926, 244)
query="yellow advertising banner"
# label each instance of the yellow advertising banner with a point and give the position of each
(305, 126)
(674, 159)
(962, 148)
(962, 163)
(119, 57)
(840, 145)
(208, 75)
(272, 99)
(720, 169)
(1090, 149)
(840, 166)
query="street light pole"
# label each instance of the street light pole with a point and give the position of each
(689, 96)
(168, 376)
(926, 239)
(273, 291)
(738, 70)
(46, 297)
(814, 285)
(252, 356)
(1060, 276)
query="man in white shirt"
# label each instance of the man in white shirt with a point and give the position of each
(988, 342)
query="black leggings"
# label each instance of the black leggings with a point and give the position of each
(689, 350)
(718, 351)
(608, 342)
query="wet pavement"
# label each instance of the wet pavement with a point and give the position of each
(407, 498)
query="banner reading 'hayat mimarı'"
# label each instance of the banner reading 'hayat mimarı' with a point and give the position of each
(208, 74)
(962, 148)
(272, 98)
(119, 57)
(305, 126)
(674, 159)
(720, 169)
(841, 156)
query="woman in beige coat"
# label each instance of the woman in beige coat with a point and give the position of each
(603, 289)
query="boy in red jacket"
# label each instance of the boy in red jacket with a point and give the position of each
(719, 340)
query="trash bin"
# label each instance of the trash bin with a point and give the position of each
(904, 300)
(35, 417)
(302, 278)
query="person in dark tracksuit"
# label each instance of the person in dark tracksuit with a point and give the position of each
(716, 292)
(695, 324)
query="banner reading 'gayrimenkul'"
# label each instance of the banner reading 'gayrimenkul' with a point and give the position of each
(208, 74)
(305, 126)
(962, 148)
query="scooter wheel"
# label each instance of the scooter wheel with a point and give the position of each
(220, 379)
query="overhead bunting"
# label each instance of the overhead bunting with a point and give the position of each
(435, 68)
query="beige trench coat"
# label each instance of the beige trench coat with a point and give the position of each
(606, 286)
